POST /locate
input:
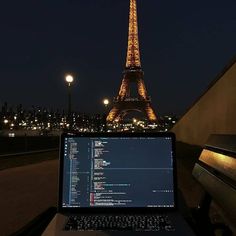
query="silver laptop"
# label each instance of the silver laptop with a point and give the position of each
(117, 184)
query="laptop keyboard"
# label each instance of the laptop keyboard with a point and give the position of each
(119, 222)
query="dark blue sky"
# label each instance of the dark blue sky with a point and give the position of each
(184, 45)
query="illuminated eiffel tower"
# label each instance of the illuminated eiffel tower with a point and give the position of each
(126, 102)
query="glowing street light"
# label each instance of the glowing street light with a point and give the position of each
(69, 79)
(5, 121)
(106, 102)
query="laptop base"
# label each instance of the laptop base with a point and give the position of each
(55, 228)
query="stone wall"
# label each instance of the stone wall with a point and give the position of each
(214, 112)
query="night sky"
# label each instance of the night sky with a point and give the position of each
(184, 45)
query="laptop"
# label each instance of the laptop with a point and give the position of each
(117, 184)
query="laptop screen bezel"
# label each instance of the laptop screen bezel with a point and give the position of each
(122, 210)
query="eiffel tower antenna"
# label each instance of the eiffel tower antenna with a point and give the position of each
(125, 103)
(133, 53)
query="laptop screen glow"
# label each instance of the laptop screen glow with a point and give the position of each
(118, 172)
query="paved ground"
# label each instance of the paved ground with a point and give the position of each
(26, 159)
(26, 192)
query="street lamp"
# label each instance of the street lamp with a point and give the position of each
(106, 103)
(69, 79)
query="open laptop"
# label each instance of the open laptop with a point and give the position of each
(117, 184)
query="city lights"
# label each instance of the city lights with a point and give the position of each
(40, 119)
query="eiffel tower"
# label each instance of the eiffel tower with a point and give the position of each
(126, 102)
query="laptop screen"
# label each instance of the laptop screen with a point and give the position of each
(109, 171)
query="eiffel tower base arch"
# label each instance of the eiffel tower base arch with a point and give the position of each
(122, 108)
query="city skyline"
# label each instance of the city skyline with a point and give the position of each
(42, 121)
(183, 48)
